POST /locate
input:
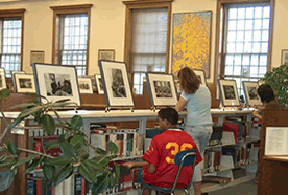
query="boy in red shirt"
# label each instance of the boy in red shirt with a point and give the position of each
(160, 169)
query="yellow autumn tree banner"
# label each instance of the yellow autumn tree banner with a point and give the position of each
(191, 42)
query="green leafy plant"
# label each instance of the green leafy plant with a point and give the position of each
(278, 80)
(74, 145)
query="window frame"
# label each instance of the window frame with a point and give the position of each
(130, 5)
(67, 10)
(14, 13)
(219, 66)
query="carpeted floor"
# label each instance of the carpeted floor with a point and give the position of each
(247, 188)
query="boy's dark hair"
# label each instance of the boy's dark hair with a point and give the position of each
(170, 114)
(266, 93)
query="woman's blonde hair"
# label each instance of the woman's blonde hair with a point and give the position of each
(188, 80)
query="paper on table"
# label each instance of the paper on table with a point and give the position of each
(276, 141)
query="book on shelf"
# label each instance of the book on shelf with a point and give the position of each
(128, 141)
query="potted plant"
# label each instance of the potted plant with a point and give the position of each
(74, 145)
(278, 80)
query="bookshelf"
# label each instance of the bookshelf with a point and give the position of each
(273, 169)
(100, 116)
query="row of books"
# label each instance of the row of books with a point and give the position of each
(77, 185)
(130, 142)
(241, 156)
(74, 185)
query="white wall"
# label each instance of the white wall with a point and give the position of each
(108, 26)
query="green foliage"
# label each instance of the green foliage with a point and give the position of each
(278, 80)
(74, 145)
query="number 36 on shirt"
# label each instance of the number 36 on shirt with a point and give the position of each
(174, 147)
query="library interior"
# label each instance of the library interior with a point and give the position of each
(155, 97)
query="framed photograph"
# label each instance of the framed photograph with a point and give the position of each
(251, 95)
(115, 84)
(13, 76)
(106, 54)
(2, 79)
(284, 56)
(99, 83)
(24, 83)
(201, 76)
(161, 89)
(85, 85)
(36, 57)
(228, 92)
(56, 82)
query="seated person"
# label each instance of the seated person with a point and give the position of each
(266, 94)
(160, 169)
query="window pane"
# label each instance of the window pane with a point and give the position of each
(248, 24)
(258, 12)
(233, 13)
(231, 36)
(240, 35)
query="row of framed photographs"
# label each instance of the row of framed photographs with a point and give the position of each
(229, 93)
(24, 83)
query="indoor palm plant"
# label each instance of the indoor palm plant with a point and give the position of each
(278, 80)
(74, 145)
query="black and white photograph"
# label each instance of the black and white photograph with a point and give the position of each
(201, 76)
(1, 84)
(13, 77)
(99, 83)
(116, 86)
(56, 82)
(2, 78)
(284, 56)
(85, 85)
(228, 92)
(106, 54)
(24, 83)
(251, 94)
(161, 88)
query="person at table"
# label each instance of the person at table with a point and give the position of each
(268, 101)
(159, 168)
(196, 98)
(267, 97)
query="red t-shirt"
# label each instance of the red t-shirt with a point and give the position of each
(161, 154)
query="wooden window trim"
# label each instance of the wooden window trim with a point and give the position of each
(138, 5)
(11, 13)
(219, 57)
(70, 9)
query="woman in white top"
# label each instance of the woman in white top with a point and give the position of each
(197, 98)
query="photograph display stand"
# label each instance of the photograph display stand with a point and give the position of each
(56, 82)
(24, 83)
(2, 79)
(99, 83)
(201, 75)
(85, 85)
(251, 94)
(161, 89)
(228, 93)
(116, 85)
(13, 76)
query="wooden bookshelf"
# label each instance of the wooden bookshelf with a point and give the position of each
(273, 170)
